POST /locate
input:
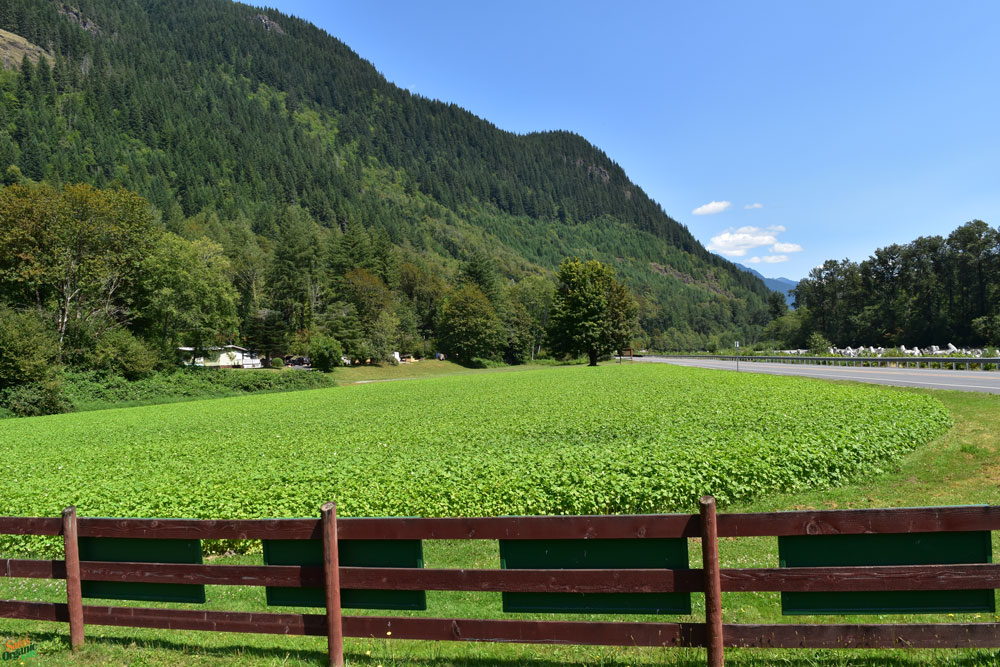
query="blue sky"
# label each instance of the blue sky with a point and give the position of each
(781, 133)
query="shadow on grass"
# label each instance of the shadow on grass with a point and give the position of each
(175, 652)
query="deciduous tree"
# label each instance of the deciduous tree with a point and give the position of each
(593, 313)
(469, 326)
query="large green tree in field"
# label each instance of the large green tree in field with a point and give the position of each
(469, 325)
(592, 313)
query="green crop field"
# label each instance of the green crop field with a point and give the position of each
(402, 446)
(569, 440)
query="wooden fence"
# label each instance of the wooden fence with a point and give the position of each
(967, 573)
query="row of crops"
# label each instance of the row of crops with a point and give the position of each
(572, 440)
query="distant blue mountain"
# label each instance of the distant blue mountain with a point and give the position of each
(776, 284)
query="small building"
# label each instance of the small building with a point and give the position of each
(227, 356)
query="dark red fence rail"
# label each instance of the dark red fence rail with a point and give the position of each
(710, 580)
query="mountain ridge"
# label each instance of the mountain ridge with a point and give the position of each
(208, 110)
(783, 285)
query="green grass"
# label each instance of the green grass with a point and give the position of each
(960, 467)
(427, 368)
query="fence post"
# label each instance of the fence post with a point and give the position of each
(331, 572)
(74, 594)
(713, 583)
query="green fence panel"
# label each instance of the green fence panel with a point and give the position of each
(889, 549)
(666, 553)
(141, 550)
(352, 553)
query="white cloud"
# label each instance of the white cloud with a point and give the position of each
(739, 241)
(754, 205)
(712, 207)
(736, 242)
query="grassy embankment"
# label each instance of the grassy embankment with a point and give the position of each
(961, 467)
(88, 391)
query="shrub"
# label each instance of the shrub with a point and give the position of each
(121, 353)
(94, 390)
(818, 345)
(479, 362)
(36, 399)
(325, 353)
(277, 362)
(29, 351)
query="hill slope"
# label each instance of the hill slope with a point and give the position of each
(223, 116)
(783, 285)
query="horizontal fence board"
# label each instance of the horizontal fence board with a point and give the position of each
(409, 528)
(863, 578)
(378, 578)
(834, 522)
(527, 632)
(822, 522)
(17, 525)
(213, 621)
(295, 576)
(800, 579)
(933, 635)
(525, 581)
(520, 528)
(901, 635)
(32, 569)
(541, 632)
(34, 611)
(205, 529)
(171, 619)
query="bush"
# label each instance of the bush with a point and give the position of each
(36, 399)
(121, 353)
(479, 362)
(819, 346)
(325, 353)
(277, 362)
(29, 351)
(88, 390)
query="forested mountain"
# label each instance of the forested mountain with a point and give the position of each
(782, 285)
(932, 291)
(334, 203)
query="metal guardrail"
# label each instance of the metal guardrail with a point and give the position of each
(942, 362)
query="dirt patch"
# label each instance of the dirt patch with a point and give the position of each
(13, 49)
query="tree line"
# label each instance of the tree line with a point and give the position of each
(934, 290)
(90, 279)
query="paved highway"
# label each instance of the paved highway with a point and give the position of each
(982, 381)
